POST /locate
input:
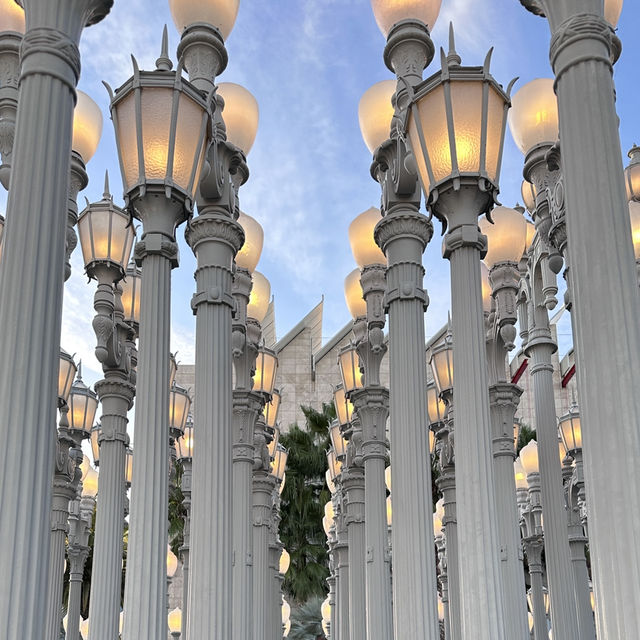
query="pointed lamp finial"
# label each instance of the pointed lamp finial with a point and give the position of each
(106, 195)
(163, 63)
(453, 58)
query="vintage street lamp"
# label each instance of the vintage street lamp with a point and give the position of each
(83, 404)
(174, 620)
(179, 408)
(279, 463)
(241, 115)
(249, 255)
(634, 215)
(285, 562)
(259, 298)
(131, 286)
(375, 113)
(162, 124)
(271, 409)
(571, 431)
(344, 406)
(349, 362)
(353, 295)
(338, 442)
(66, 375)
(632, 174)
(94, 441)
(264, 378)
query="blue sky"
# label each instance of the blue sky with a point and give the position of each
(308, 62)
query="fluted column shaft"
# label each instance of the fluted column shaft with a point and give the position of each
(581, 55)
(534, 548)
(479, 574)
(246, 407)
(116, 395)
(30, 314)
(263, 485)
(403, 235)
(342, 582)
(145, 601)
(372, 409)
(503, 398)
(556, 541)
(275, 590)
(577, 542)
(214, 238)
(78, 553)
(332, 603)
(353, 485)
(184, 550)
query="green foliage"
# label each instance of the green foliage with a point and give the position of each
(306, 621)
(526, 435)
(177, 512)
(302, 506)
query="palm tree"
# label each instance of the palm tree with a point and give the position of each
(302, 507)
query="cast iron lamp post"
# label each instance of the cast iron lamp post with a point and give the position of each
(583, 49)
(162, 123)
(40, 161)
(456, 126)
(506, 240)
(403, 234)
(534, 126)
(106, 238)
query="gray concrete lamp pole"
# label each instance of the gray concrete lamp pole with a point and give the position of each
(160, 194)
(460, 186)
(403, 234)
(583, 47)
(40, 166)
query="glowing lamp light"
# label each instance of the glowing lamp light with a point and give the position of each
(161, 124)
(179, 407)
(85, 465)
(520, 475)
(128, 466)
(259, 297)
(249, 255)
(240, 114)
(440, 609)
(87, 127)
(389, 12)
(571, 430)
(131, 289)
(529, 458)
(375, 112)
(185, 442)
(632, 174)
(66, 373)
(533, 117)
(271, 409)
(353, 295)
(11, 17)
(634, 216)
(83, 404)
(94, 440)
(389, 512)
(325, 610)
(441, 363)
(337, 441)
(335, 465)
(220, 14)
(279, 463)
(344, 406)
(612, 11)
(363, 246)
(329, 511)
(387, 478)
(528, 192)
(437, 525)
(432, 442)
(286, 610)
(456, 127)
(285, 562)
(349, 362)
(331, 485)
(264, 378)
(174, 620)
(325, 627)
(507, 237)
(562, 449)
(84, 628)
(275, 439)
(531, 232)
(172, 563)
(486, 288)
(287, 629)
(90, 483)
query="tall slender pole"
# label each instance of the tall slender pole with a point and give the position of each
(31, 313)
(342, 569)
(403, 235)
(583, 47)
(534, 547)
(184, 550)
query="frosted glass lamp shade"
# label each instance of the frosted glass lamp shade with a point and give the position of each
(612, 11)
(375, 112)
(172, 563)
(435, 406)
(221, 14)
(634, 215)
(441, 362)
(259, 297)
(66, 373)
(179, 407)
(529, 458)
(337, 441)
(349, 362)
(128, 466)
(531, 232)
(241, 115)
(325, 627)
(437, 525)
(94, 440)
(90, 484)
(335, 466)
(533, 117)
(440, 609)
(353, 295)
(632, 174)
(84, 629)
(87, 127)
(486, 288)
(264, 379)
(389, 12)
(389, 512)
(562, 449)
(273, 445)
(175, 620)
(279, 462)
(432, 442)
(387, 478)
(271, 408)
(285, 562)
(344, 406)
(520, 475)
(83, 404)
(85, 465)
(363, 246)
(185, 443)
(528, 192)
(571, 430)
(106, 236)
(287, 629)
(161, 124)
(325, 609)
(456, 128)
(329, 512)
(331, 485)
(11, 16)
(507, 236)
(249, 255)
(131, 289)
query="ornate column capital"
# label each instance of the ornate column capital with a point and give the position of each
(465, 235)
(403, 224)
